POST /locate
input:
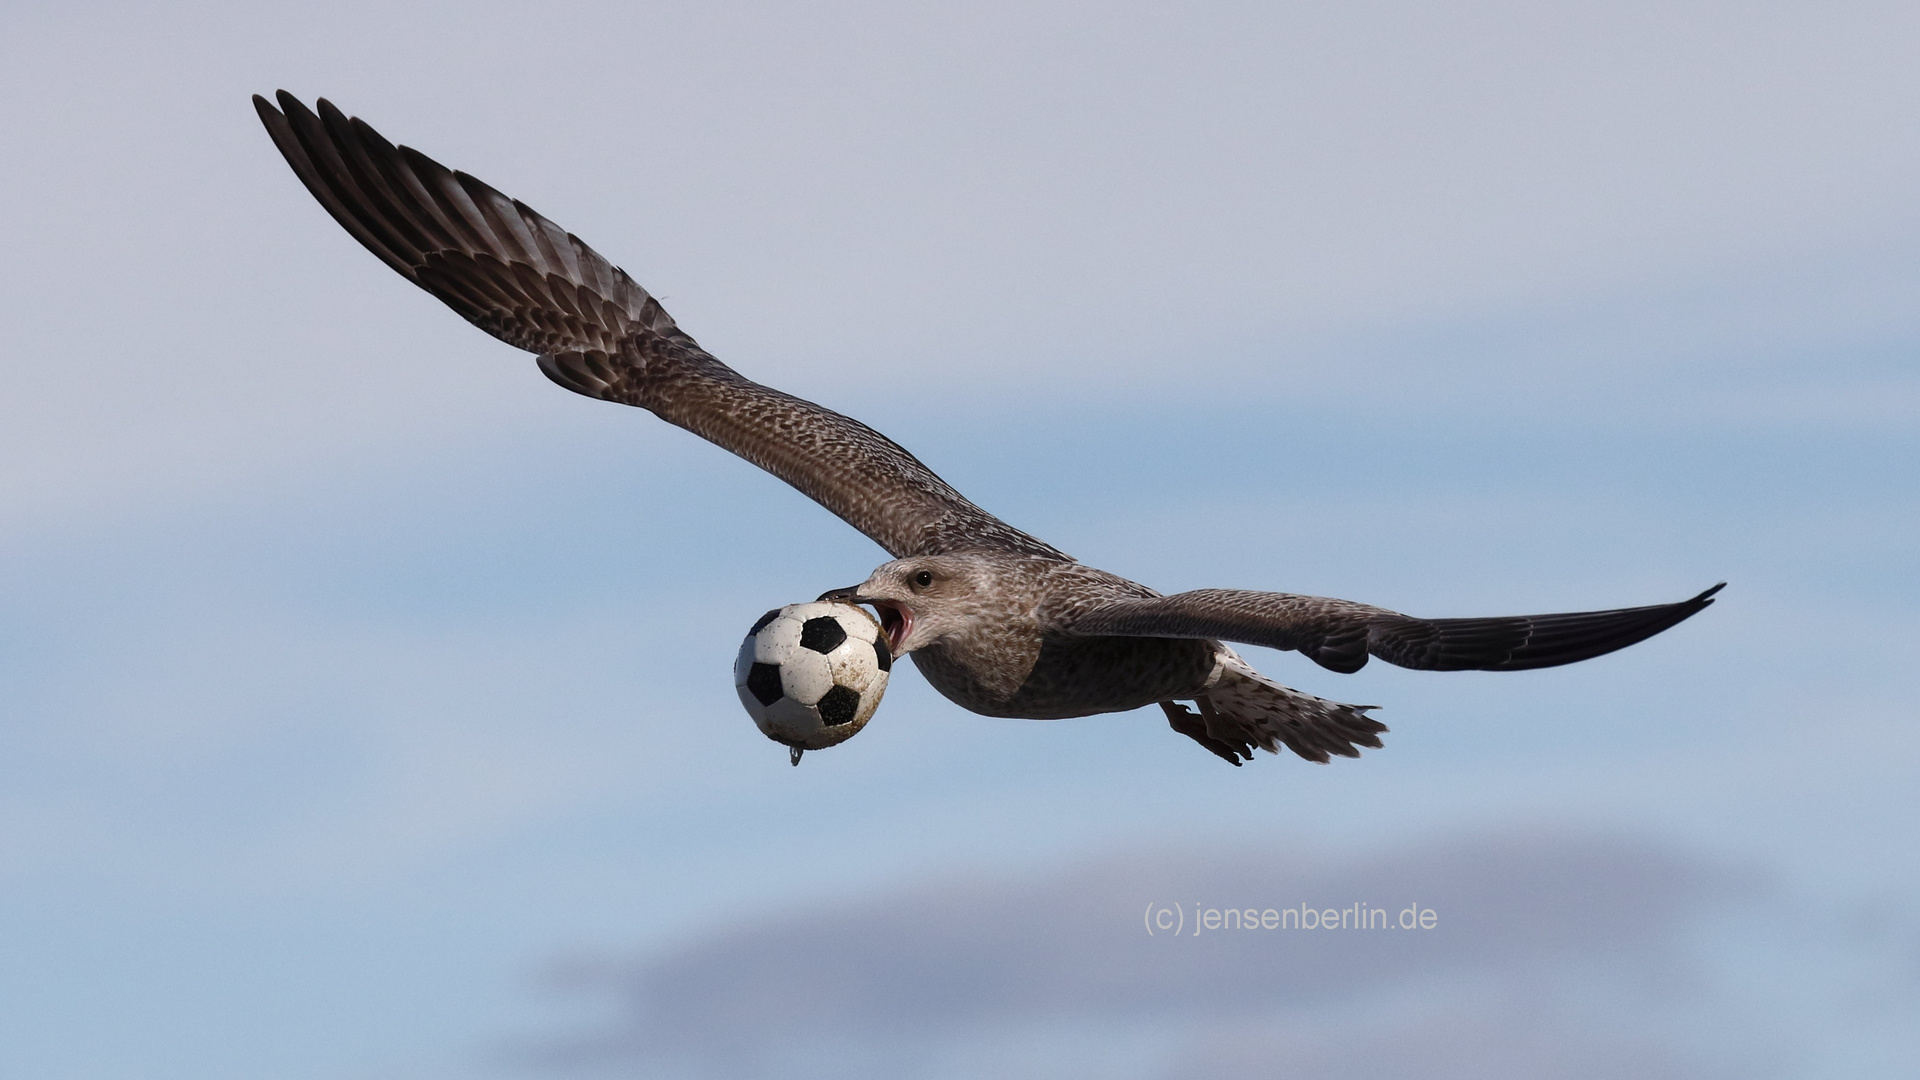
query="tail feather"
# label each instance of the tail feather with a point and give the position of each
(1243, 707)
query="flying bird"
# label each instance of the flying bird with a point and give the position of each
(1000, 622)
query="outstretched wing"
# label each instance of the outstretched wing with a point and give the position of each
(536, 286)
(1340, 634)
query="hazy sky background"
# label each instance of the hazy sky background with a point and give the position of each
(365, 707)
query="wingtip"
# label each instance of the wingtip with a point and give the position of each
(1706, 597)
(330, 114)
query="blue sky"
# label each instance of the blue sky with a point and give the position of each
(366, 706)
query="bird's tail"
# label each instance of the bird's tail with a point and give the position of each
(1244, 709)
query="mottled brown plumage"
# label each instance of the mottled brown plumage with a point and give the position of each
(998, 621)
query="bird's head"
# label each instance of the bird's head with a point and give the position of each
(923, 599)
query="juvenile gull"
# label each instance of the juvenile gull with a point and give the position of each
(998, 621)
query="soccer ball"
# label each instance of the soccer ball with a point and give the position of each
(811, 675)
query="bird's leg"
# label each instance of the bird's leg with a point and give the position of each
(1188, 723)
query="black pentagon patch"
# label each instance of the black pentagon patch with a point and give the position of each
(822, 634)
(764, 620)
(764, 683)
(838, 706)
(881, 655)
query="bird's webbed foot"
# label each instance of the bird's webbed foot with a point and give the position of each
(1193, 726)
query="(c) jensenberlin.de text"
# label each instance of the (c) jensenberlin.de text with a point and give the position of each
(1178, 920)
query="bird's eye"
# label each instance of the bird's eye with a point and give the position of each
(923, 579)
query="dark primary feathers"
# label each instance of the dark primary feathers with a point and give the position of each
(1340, 634)
(536, 286)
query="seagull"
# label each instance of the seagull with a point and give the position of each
(1000, 622)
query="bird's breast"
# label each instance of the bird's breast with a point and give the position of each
(1055, 676)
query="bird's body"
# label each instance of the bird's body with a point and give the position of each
(998, 621)
(1005, 656)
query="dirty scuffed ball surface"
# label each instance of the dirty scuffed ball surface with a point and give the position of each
(811, 675)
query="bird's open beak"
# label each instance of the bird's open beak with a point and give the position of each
(896, 622)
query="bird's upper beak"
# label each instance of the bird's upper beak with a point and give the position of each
(847, 595)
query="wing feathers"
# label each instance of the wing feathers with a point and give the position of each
(1340, 634)
(313, 168)
(1523, 642)
(1332, 632)
(492, 259)
(532, 284)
